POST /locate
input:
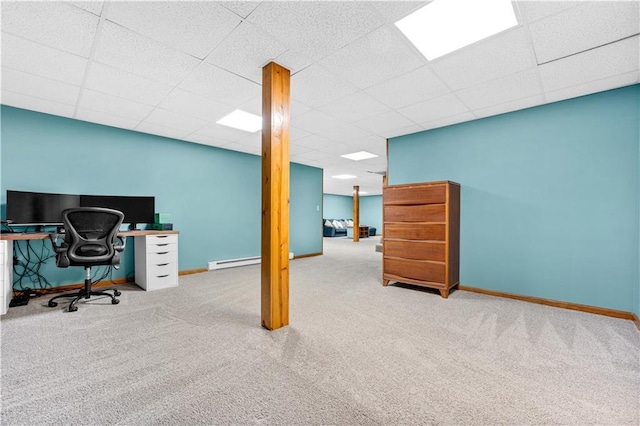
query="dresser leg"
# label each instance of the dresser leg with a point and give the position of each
(385, 283)
(444, 293)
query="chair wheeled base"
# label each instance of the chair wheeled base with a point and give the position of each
(85, 293)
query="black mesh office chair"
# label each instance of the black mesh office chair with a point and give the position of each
(90, 239)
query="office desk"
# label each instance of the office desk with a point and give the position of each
(156, 260)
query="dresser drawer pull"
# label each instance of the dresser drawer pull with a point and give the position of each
(162, 252)
(163, 276)
(161, 264)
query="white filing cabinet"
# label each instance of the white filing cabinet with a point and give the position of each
(6, 278)
(156, 261)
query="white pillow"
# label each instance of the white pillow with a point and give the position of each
(349, 222)
(337, 224)
(328, 223)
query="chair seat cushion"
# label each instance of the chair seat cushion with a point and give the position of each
(92, 250)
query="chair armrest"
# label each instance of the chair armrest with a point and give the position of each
(122, 244)
(54, 242)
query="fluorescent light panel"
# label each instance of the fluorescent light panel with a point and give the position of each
(344, 177)
(242, 120)
(443, 26)
(360, 155)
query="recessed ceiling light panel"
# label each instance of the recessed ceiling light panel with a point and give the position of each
(360, 155)
(242, 120)
(344, 177)
(443, 26)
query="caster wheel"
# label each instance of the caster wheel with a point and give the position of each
(53, 304)
(116, 293)
(114, 301)
(73, 308)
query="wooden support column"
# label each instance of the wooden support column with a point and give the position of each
(275, 196)
(356, 213)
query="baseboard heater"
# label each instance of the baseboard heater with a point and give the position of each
(232, 263)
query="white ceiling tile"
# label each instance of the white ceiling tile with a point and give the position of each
(343, 133)
(158, 130)
(434, 109)
(377, 57)
(192, 105)
(404, 131)
(242, 8)
(594, 86)
(523, 84)
(93, 6)
(355, 107)
(106, 79)
(39, 87)
(564, 34)
(392, 11)
(315, 86)
(384, 124)
(175, 120)
(295, 134)
(128, 51)
(316, 28)
(219, 85)
(372, 143)
(313, 154)
(295, 150)
(298, 108)
(415, 86)
(510, 106)
(617, 58)
(19, 100)
(532, 11)
(105, 119)
(316, 121)
(193, 27)
(504, 54)
(35, 58)
(222, 133)
(113, 105)
(253, 106)
(246, 51)
(316, 142)
(294, 61)
(448, 121)
(42, 22)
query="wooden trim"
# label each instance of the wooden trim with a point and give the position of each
(192, 271)
(555, 303)
(274, 269)
(302, 256)
(636, 320)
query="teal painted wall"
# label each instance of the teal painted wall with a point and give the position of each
(371, 211)
(337, 206)
(549, 201)
(212, 194)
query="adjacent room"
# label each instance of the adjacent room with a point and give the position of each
(320, 212)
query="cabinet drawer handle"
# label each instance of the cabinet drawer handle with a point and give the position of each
(162, 245)
(163, 252)
(161, 236)
(163, 276)
(161, 264)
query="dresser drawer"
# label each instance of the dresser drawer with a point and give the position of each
(415, 250)
(161, 269)
(418, 213)
(436, 194)
(162, 257)
(414, 269)
(162, 248)
(416, 231)
(162, 239)
(161, 281)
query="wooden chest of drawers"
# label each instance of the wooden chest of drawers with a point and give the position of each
(421, 243)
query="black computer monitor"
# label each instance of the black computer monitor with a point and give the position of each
(136, 209)
(38, 208)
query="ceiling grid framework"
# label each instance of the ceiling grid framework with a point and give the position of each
(175, 68)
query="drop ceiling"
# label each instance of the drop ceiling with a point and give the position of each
(174, 68)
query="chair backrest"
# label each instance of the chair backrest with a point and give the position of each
(90, 235)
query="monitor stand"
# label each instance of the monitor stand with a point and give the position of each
(133, 227)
